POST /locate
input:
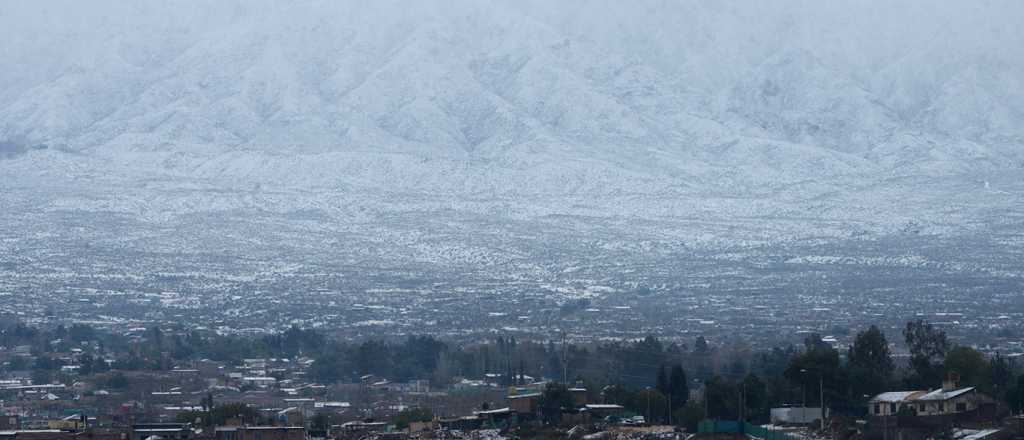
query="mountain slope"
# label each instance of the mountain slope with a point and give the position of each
(498, 98)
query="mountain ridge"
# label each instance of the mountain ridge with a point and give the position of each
(493, 99)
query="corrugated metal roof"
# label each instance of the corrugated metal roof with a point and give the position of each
(914, 396)
(897, 396)
(524, 396)
(970, 434)
(940, 394)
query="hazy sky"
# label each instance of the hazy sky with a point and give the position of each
(857, 34)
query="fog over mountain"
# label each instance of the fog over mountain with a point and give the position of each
(527, 139)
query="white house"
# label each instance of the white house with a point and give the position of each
(948, 400)
(259, 381)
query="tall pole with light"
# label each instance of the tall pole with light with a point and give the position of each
(803, 391)
(648, 393)
(821, 399)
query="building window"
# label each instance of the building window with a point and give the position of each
(961, 406)
(878, 409)
(892, 408)
(920, 408)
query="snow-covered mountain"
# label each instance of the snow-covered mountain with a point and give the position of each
(828, 112)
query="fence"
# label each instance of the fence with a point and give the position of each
(732, 426)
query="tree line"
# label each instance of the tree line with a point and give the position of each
(646, 375)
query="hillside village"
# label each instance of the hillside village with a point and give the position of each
(91, 384)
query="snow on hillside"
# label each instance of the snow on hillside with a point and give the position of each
(658, 109)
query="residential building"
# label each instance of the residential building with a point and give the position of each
(165, 431)
(260, 433)
(9, 423)
(524, 403)
(948, 400)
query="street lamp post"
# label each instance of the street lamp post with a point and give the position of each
(648, 389)
(803, 391)
(670, 407)
(821, 398)
(704, 388)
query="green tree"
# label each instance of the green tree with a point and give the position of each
(407, 416)
(754, 393)
(618, 395)
(41, 377)
(374, 357)
(321, 422)
(927, 346)
(870, 362)
(192, 417)
(155, 339)
(207, 402)
(679, 387)
(1000, 376)
(700, 346)
(662, 382)
(652, 404)
(332, 366)
(99, 365)
(19, 363)
(418, 356)
(770, 367)
(81, 332)
(818, 366)
(721, 398)
(689, 416)
(117, 381)
(46, 363)
(970, 365)
(555, 398)
(1015, 395)
(639, 359)
(236, 410)
(85, 364)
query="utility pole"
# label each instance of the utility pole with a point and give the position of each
(648, 392)
(821, 397)
(705, 400)
(885, 427)
(803, 390)
(670, 406)
(743, 401)
(739, 405)
(565, 363)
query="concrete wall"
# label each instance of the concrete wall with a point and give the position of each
(796, 415)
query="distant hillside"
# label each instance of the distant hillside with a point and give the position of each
(877, 114)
